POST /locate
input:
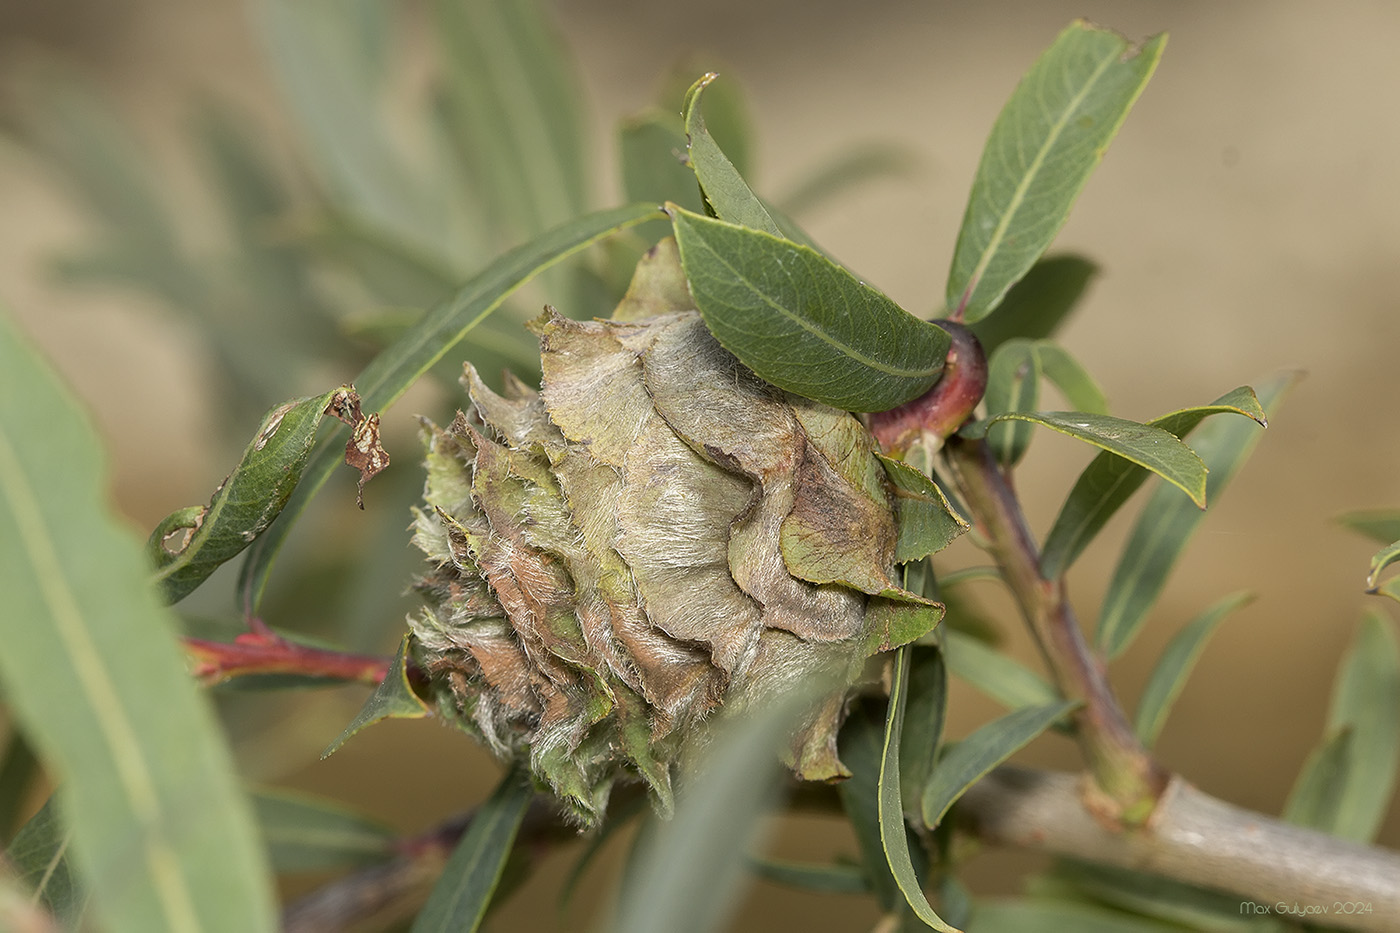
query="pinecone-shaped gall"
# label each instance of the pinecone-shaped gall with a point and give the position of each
(655, 539)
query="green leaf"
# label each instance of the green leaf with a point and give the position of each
(925, 520)
(1038, 303)
(1174, 666)
(307, 833)
(243, 506)
(994, 673)
(1046, 142)
(965, 763)
(463, 892)
(1380, 525)
(594, 845)
(1366, 701)
(39, 854)
(1070, 377)
(1108, 481)
(1154, 896)
(1381, 560)
(394, 698)
(1316, 798)
(1043, 915)
(97, 682)
(827, 879)
(651, 148)
(390, 373)
(861, 750)
(1168, 521)
(893, 833)
(1159, 451)
(717, 814)
(802, 322)
(1013, 385)
(725, 191)
(924, 717)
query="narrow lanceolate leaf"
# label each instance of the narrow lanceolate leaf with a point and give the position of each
(927, 707)
(1108, 482)
(651, 147)
(716, 818)
(1175, 665)
(1159, 451)
(392, 699)
(999, 676)
(862, 747)
(967, 762)
(1037, 304)
(40, 857)
(243, 506)
(1366, 701)
(892, 830)
(390, 373)
(1070, 377)
(94, 677)
(307, 833)
(1316, 798)
(1013, 385)
(1380, 525)
(926, 522)
(1049, 137)
(725, 191)
(828, 879)
(463, 892)
(1382, 559)
(1168, 521)
(802, 322)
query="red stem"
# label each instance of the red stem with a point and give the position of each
(262, 651)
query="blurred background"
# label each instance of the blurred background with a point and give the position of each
(1245, 221)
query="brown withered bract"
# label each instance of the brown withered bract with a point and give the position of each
(655, 539)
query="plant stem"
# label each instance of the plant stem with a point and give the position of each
(262, 651)
(1128, 779)
(1278, 869)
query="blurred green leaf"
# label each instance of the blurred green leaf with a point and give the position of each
(893, 833)
(652, 148)
(1168, 520)
(805, 876)
(1380, 525)
(18, 768)
(394, 698)
(924, 716)
(307, 833)
(1070, 377)
(246, 502)
(1038, 303)
(1043, 915)
(926, 522)
(724, 188)
(459, 900)
(802, 322)
(1381, 560)
(717, 814)
(1155, 896)
(391, 372)
(856, 166)
(965, 763)
(1366, 700)
(39, 854)
(330, 77)
(1178, 659)
(1013, 385)
(1159, 451)
(995, 673)
(594, 843)
(1108, 481)
(1316, 798)
(513, 110)
(95, 679)
(1046, 142)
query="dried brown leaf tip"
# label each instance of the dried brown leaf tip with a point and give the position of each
(363, 451)
(655, 539)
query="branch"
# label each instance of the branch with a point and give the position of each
(262, 651)
(1193, 837)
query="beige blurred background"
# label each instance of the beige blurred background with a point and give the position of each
(1247, 220)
